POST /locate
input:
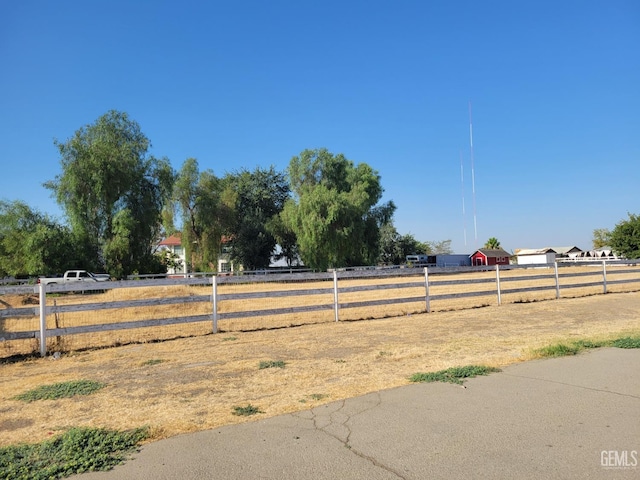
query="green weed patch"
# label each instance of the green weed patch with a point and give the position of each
(76, 451)
(271, 364)
(60, 390)
(573, 348)
(246, 411)
(453, 375)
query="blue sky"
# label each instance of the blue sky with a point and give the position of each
(554, 89)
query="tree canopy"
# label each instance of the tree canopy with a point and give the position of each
(206, 212)
(113, 192)
(625, 237)
(334, 212)
(32, 243)
(120, 201)
(259, 196)
(394, 247)
(493, 243)
(601, 238)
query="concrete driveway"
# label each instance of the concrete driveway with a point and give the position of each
(564, 418)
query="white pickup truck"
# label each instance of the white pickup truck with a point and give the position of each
(75, 276)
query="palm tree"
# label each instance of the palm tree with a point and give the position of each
(493, 243)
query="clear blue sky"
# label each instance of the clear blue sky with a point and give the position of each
(554, 88)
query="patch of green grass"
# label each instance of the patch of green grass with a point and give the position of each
(558, 350)
(153, 361)
(590, 344)
(573, 348)
(454, 374)
(626, 342)
(229, 339)
(313, 396)
(246, 411)
(75, 451)
(271, 364)
(317, 396)
(61, 390)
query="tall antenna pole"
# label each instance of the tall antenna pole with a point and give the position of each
(473, 178)
(464, 220)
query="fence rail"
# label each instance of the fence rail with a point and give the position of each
(300, 294)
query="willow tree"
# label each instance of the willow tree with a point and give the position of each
(112, 191)
(334, 211)
(205, 211)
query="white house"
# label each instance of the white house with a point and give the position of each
(173, 245)
(532, 256)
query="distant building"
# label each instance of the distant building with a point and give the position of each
(173, 244)
(453, 260)
(571, 252)
(488, 256)
(532, 256)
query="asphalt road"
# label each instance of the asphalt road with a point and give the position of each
(563, 418)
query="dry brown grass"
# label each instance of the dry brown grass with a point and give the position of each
(192, 384)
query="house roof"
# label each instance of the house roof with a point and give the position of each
(534, 251)
(491, 253)
(172, 241)
(565, 250)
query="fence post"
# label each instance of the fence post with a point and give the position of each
(43, 320)
(335, 293)
(214, 297)
(426, 287)
(557, 281)
(604, 276)
(498, 284)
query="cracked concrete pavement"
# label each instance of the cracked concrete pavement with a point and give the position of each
(570, 417)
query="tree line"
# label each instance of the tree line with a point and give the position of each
(119, 201)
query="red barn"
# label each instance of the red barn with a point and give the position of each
(487, 256)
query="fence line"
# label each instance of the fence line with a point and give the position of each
(428, 284)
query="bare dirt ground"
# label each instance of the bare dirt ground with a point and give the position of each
(193, 384)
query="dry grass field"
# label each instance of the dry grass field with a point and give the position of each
(191, 384)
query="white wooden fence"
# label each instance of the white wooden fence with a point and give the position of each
(428, 280)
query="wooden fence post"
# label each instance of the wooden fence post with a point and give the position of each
(604, 276)
(557, 281)
(43, 320)
(498, 284)
(335, 294)
(426, 287)
(214, 297)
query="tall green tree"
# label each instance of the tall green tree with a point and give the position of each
(259, 196)
(625, 237)
(113, 192)
(205, 206)
(334, 211)
(601, 238)
(394, 247)
(31, 243)
(493, 243)
(286, 240)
